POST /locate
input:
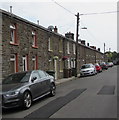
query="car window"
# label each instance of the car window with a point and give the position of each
(41, 73)
(16, 78)
(85, 66)
(35, 75)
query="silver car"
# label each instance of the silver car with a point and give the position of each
(88, 69)
(21, 89)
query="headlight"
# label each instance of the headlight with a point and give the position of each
(12, 94)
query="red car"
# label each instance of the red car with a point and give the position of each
(98, 67)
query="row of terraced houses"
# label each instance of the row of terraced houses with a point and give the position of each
(27, 46)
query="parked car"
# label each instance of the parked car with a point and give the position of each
(88, 69)
(110, 64)
(21, 89)
(104, 65)
(98, 67)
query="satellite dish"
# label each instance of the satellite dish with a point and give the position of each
(50, 28)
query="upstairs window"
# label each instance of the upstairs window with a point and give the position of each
(60, 46)
(34, 39)
(50, 45)
(68, 52)
(13, 34)
(74, 49)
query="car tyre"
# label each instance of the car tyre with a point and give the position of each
(52, 90)
(27, 100)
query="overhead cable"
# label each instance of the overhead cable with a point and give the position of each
(63, 7)
(99, 13)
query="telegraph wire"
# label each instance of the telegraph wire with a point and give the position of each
(108, 12)
(63, 7)
(99, 13)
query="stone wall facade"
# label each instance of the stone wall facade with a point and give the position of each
(28, 46)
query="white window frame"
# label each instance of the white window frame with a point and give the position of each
(74, 48)
(72, 63)
(61, 65)
(24, 59)
(49, 44)
(68, 52)
(34, 39)
(34, 58)
(69, 65)
(12, 33)
(61, 45)
(13, 59)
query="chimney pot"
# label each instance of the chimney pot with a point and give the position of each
(98, 49)
(87, 44)
(10, 9)
(55, 29)
(70, 35)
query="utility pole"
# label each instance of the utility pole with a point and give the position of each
(104, 52)
(76, 58)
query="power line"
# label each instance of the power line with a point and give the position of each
(63, 7)
(99, 13)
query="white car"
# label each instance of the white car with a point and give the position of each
(88, 69)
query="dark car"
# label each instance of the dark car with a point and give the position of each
(104, 65)
(21, 89)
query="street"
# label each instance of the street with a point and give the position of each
(86, 97)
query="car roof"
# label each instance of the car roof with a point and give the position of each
(21, 72)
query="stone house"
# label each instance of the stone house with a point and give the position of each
(27, 46)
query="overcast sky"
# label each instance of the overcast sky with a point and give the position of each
(101, 28)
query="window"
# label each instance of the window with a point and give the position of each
(35, 62)
(72, 63)
(14, 63)
(68, 52)
(13, 32)
(61, 65)
(68, 63)
(25, 63)
(74, 48)
(50, 45)
(42, 74)
(35, 75)
(60, 46)
(51, 64)
(34, 39)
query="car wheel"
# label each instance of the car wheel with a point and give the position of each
(27, 100)
(52, 90)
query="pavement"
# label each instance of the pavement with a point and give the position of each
(60, 81)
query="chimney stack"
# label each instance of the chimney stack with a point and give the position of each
(87, 44)
(83, 42)
(94, 47)
(98, 49)
(10, 9)
(55, 29)
(69, 35)
(38, 22)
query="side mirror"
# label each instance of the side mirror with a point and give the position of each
(33, 79)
